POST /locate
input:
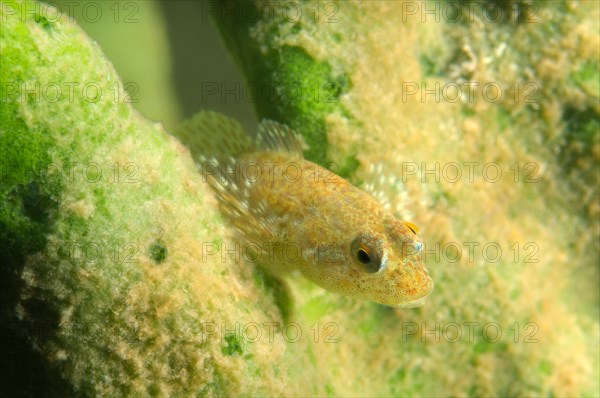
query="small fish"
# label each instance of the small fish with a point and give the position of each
(296, 215)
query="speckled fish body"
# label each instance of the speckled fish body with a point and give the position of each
(298, 215)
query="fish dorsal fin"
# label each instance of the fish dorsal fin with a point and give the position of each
(209, 133)
(277, 137)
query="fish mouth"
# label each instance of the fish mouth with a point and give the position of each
(417, 302)
(414, 303)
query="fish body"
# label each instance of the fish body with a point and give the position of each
(297, 215)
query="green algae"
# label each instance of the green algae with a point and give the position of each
(158, 251)
(232, 346)
(84, 299)
(135, 316)
(289, 84)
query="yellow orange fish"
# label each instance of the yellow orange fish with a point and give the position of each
(297, 215)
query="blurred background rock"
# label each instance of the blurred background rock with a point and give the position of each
(169, 55)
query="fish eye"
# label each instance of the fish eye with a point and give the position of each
(413, 228)
(363, 256)
(368, 253)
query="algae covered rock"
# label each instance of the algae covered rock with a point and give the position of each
(488, 112)
(104, 221)
(119, 277)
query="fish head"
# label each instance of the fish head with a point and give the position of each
(380, 263)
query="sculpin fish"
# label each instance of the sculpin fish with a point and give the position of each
(293, 214)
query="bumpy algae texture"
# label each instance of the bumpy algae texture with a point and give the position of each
(115, 283)
(530, 112)
(108, 284)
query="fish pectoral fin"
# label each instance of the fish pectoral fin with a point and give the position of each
(276, 137)
(237, 201)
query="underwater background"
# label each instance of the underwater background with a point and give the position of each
(486, 112)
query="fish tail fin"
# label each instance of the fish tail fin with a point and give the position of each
(209, 133)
